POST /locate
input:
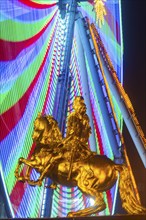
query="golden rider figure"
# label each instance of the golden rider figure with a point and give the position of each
(78, 132)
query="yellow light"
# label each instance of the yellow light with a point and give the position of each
(100, 11)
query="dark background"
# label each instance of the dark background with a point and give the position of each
(134, 39)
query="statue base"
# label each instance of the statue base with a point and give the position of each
(114, 217)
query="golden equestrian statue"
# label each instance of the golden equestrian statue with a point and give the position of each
(68, 161)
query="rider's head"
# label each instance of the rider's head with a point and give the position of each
(79, 105)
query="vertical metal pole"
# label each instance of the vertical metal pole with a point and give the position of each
(63, 86)
(127, 111)
(62, 93)
(97, 84)
(85, 87)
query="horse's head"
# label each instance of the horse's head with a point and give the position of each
(40, 125)
(46, 130)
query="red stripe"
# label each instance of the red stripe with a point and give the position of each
(17, 195)
(10, 50)
(36, 5)
(48, 91)
(109, 19)
(98, 134)
(91, 2)
(50, 81)
(11, 117)
(109, 198)
(19, 189)
(118, 36)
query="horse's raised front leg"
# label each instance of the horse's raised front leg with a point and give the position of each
(33, 163)
(42, 175)
(30, 163)
(17, 175)
(28, 173)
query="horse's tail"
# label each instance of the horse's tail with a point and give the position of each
(128, 197)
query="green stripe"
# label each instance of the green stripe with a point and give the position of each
(19, 87)
(88, 8)
(19, 31)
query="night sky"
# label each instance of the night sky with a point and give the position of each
(134, 38)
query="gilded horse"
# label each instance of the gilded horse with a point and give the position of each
(93, 175)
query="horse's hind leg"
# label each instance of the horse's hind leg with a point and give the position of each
(99, 204)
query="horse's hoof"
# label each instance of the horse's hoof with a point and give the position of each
(39, 183)
(31, 182)
(20, 178)
(16, 175)
(53, 186)
(70, 214)
(34, 183)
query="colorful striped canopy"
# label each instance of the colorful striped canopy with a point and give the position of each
(32, 38)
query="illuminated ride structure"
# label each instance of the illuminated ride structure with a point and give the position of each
(50, 53)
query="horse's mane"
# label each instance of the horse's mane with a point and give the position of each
(54, 134)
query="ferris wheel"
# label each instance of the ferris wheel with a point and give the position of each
(53, 51)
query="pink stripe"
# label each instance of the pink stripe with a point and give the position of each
(36, 5)
(98, 134)
(10, 50)
(11, 117)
